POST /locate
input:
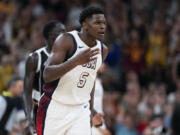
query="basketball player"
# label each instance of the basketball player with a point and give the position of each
(70, 75)
(35, 64)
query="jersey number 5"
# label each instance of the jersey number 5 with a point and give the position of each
(82, 79)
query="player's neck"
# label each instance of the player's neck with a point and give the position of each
(48, 47)
(87, 39)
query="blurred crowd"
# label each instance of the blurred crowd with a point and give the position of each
(142, 77)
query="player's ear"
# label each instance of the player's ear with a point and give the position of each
(50, 35)
(84, 25)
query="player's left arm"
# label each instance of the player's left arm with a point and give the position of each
(105, 52)
(93, 111)
(96, 118)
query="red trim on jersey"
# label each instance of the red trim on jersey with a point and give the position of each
(49, 89)
(41, 115)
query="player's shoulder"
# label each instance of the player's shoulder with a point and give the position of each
(64, 40)
(40, 49)
(103, 45)
(104, 50)
(66, 35)
(73, 32)
(34, 56)
(37, 51)
(32, 59)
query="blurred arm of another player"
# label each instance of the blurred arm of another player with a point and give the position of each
(30, 70)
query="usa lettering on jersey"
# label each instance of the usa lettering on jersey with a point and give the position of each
(91, 64)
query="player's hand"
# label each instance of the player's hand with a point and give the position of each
(27, 131)
(86, 56)
(97, 120)
(30, 129)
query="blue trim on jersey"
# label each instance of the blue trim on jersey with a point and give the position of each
(75, 47)
(102, 50)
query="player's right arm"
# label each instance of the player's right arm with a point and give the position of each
(57, 66)
(30, 70)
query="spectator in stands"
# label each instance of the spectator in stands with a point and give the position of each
(9, 101)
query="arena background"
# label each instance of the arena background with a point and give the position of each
(142, 77)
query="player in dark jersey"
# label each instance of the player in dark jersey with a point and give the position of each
(35, 64)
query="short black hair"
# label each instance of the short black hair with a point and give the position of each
(49, 27)
(88, 12)
(13, 80)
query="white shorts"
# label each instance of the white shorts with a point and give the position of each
(67, 120)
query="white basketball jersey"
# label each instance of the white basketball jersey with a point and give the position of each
(75, 86)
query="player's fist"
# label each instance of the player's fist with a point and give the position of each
(30, 128)
(97, 120)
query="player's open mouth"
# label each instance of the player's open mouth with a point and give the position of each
(101, 33)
